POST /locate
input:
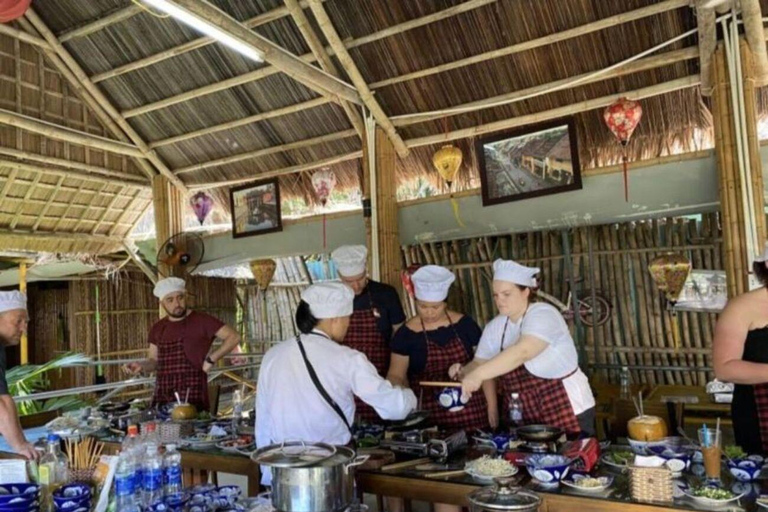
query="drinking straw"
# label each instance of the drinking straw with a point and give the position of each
(705, 436)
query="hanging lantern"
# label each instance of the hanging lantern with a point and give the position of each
(324, 181)
(263, 271)
(622, 117)
(447, 160)
(13, 9)
(201, 204)
(669, 272)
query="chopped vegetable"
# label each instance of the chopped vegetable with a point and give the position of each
(621, 456)
(588, 482)
(487, 466)
(713, 493)
(734, 452)
(204, 415)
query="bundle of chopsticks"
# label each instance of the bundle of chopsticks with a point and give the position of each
(84, 454)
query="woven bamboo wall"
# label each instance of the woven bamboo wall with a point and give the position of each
(49, 327)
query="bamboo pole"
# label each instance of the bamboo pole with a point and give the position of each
(102, 100)
(24, 343)
(23, 36)
(22, 235)
(102, 23)
(48, 204)
(365, 94)
(72, 164)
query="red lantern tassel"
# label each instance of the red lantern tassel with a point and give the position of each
(626, 180)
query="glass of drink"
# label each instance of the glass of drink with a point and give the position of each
(709, 438)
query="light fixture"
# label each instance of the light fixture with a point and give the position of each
(206, 28)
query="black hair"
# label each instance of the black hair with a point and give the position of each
(305, 320)
(531, 292)
(761, 272)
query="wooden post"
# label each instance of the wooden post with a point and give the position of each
(24, 345)
(390, 262)
(737, 258)
(168, 215)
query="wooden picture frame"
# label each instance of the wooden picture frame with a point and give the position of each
(255, 208)
(531, 161)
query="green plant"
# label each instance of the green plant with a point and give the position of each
(27, 379)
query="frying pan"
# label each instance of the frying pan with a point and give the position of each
(539, 433)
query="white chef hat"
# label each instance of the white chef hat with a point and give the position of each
(513, 272)
(350, 260)
(169, 285)
(329, 300)
(431, 283)
(762, 258)
(12, 300)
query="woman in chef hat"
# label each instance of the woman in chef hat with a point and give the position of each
(530, 349)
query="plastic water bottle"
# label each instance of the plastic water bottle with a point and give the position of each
(150, 435)
(172, 470)
(130, 447)
(624, 391)
(125, 483)
(516, 410)
(237, 406)
(52, 472)
(152, 476)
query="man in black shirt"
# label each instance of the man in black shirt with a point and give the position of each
(377, 314)
(13, 323)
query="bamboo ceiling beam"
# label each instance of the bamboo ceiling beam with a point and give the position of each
(102, 100)
(101, 23)
(634, 67)
(66, 134)
(7, 30)
(270, 114)
(583, 106)
(565, 35)
(18, 234)
(71, 164)
(30, 190)
(69, 207)
(261, 19)
(129, 207)
(35, 169)
(85, 96)
(285, 61)
(106, 212)
(64, 204)
(55, 218)
(267, 151)
(646, 64)
(281, 172)
(48, 203)
(330, 33)
(318, 50)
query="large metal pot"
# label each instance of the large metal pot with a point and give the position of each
(503, 496)
(325, 484)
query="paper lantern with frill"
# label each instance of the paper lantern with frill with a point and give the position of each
(447, 160)
(670, 271)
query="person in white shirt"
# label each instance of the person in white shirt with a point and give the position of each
(290, 407)
(529, 347)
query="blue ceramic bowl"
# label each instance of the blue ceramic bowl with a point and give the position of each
(671, 447)
(450, 398)
(19, 489)
(23, 507)
(548, 469)
(17, 499)
(639, 447)
(744, 470)
(72, 505)
(72, 492)
(231, 492)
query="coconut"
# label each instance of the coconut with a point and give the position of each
(647, 428)
(184, 412)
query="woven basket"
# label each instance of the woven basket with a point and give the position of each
(650, 484)
(83, 476)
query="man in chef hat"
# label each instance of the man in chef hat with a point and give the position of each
(180, 347)
(13, 324)
(377, 313)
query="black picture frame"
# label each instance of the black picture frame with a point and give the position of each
(535, 162)
(250, 211)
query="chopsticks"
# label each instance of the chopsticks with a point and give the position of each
(445, 474)
(84, 454)
(436, 384)
(406, 464)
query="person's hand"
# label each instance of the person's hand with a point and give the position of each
(133, 368)
(207, 367)
(469, 384)
(455, 371)
(27, 450)
(493, 417)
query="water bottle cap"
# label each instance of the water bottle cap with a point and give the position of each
(53, 438)
(171, 447)
(515, 396)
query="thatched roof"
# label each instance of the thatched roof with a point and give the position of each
(212, 115)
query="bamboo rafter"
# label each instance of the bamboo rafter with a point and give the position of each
(101, 23)
(48, 203)
(31, 189)
(44, 235)
(106, 212)
(129, 207)
(85, 212)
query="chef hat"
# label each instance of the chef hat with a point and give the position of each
(350, 260)
(329, 300)
(513, 272)
(12, 300)
(763, 258)
(431, 283)
(169, 285)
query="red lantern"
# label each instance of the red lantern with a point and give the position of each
(13, 9)
(622, 117)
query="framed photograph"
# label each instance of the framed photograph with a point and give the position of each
(529, 162)
(704, 291)
(255, 208)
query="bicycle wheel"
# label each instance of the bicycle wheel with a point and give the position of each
(597, 314)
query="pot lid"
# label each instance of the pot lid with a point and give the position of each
(295, 454)
(504, 496)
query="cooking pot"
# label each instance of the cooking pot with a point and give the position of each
(503, 496)
(310, 477)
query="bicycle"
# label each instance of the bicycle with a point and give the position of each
(590, 315)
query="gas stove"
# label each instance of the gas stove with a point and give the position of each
(425, 442)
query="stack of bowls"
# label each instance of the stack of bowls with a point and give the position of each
(677, 451)
(74, 497)
(209, 498)
(20, 498)
(548, 469)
